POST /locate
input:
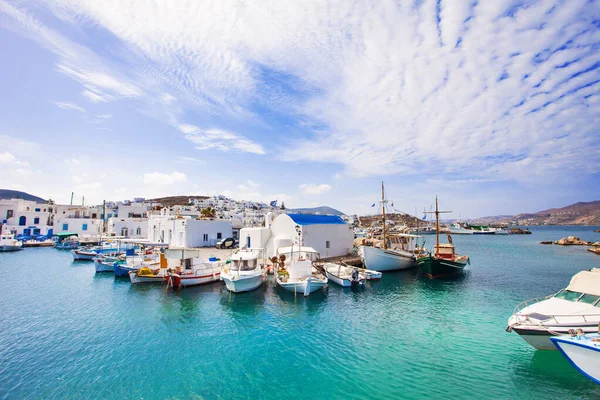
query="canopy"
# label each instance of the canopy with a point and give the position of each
(586, 282)
(63, 235)
(295, 249)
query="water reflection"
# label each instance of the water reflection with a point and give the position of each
(243, 305)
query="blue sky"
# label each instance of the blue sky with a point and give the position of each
(491, 105)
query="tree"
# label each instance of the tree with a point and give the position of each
(208, 212)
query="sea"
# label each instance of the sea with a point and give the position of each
(69, 333)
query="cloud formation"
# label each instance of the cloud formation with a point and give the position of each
(69, 106)
(160, 178)
(480, 90)
(313, 189)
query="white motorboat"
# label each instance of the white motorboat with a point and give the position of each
(457, 229)
(370, 274)
(106, 263)
(9, 243)
(575, 307)
(344, 275)
(187, 267)
(582, 351)
(245, 272)
(295, 271)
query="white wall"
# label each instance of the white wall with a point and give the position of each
(116, 225)
(94, 226)
(340, 237)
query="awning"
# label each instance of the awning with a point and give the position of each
(63, 235)
(586, 282)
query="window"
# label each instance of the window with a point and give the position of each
(205, 237)
(9, 214)
(22, 220)
(37, 210)
(589, 299)
(84, 227)
(65, 227)
(138, 231)
(327, 244)
(219, 235)
(94, 215)
(248, 242)
(36, 220)
(124, 232)
(568, 295)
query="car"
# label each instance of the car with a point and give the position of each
(227, 243)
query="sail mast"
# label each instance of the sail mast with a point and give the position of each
(383, 212)
(437, 227)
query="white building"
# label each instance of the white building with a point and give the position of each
(20, 216)
(83, 220)
(327, 234)
(185, 231)
(132, 228)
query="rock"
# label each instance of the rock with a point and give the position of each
(571, 241)
(595, 251)
(594, 244)
(546, 242)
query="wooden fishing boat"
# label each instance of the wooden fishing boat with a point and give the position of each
(343, 275)
(444, 261)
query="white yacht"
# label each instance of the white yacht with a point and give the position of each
(245, 272)
(295, 271)
(582, 351)
(9, 243)
(575, 307)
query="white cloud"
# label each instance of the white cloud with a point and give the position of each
(205, 139)
(7, 158)
(159, 178)
(69, 106)
(312, 189)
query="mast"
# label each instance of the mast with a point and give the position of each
(383, 213)
(437, 227)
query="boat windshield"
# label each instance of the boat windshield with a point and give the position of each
(579, 297)
(243, 265)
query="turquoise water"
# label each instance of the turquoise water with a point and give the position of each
(66, 332)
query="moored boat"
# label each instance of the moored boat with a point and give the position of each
(582, 351)
(245, 272)
(9, 243)
(444, 261)
(343, 275)
(295, 272)
(575, 307)
(187, 267)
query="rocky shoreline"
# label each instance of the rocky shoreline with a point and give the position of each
(572, 241)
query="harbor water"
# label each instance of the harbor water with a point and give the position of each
(68, 333)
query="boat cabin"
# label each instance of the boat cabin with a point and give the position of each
(245, 260)
(583, 288)
(445, 251)
(404, 242)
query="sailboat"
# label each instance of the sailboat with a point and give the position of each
(396, 252)
(444, 260)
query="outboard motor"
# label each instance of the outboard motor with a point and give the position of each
(355, 276)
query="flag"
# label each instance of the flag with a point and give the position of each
(373, 205)
(273, 203)
(424, 217)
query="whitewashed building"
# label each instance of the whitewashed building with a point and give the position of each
(327, 234)
(185, 231)
(23, 217)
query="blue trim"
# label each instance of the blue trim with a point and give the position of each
(312, 219)
(557, 340)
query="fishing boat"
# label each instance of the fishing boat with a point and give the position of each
(245, 272)
(149, 274)
(9, 243)
(344, 275)
(148, 256)
(295, 271)
(103, 263)
(66, 241)
(444, 261)
(395, 252)
(575, 307)
(582, 351)
(187, 267)
(457, 229)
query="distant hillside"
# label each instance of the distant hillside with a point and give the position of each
(323, 210)
(176, 200)
(575, 214)
(398, 219)
(15, 194)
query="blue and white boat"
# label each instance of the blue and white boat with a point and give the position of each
(582, 351)
(9, 243)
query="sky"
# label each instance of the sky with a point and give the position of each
(492, 105)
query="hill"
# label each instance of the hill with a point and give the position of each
(323, 210)
(16, 194)
(176, 200)
(398, 219)
(581, 213)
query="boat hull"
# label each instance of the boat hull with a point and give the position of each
(385, 260)
(582, 354)
(8, 248)
(176, 280)
(103, 266)
(344, 282)
(434, 267)
(137, 279)
(540, 338)
(243, 283)
(304, 287)
(83, 255)
(123, 270)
